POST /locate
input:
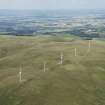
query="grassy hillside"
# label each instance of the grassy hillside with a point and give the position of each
(80, 80)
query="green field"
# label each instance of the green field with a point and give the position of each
(80, 80)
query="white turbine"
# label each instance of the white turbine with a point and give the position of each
(61, 58)
(89, 45)
(75, 51)
(20, 75)
(44, 66)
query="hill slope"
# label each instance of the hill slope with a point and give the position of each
(80, 80)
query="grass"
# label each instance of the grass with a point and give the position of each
(79, 80)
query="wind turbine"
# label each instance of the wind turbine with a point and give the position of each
(61, 58)
(44, 67)
(20, 75)
(89, 45)
(75, 52)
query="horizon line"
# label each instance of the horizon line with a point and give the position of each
(58, 9)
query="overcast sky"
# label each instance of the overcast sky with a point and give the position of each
(52, 4)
